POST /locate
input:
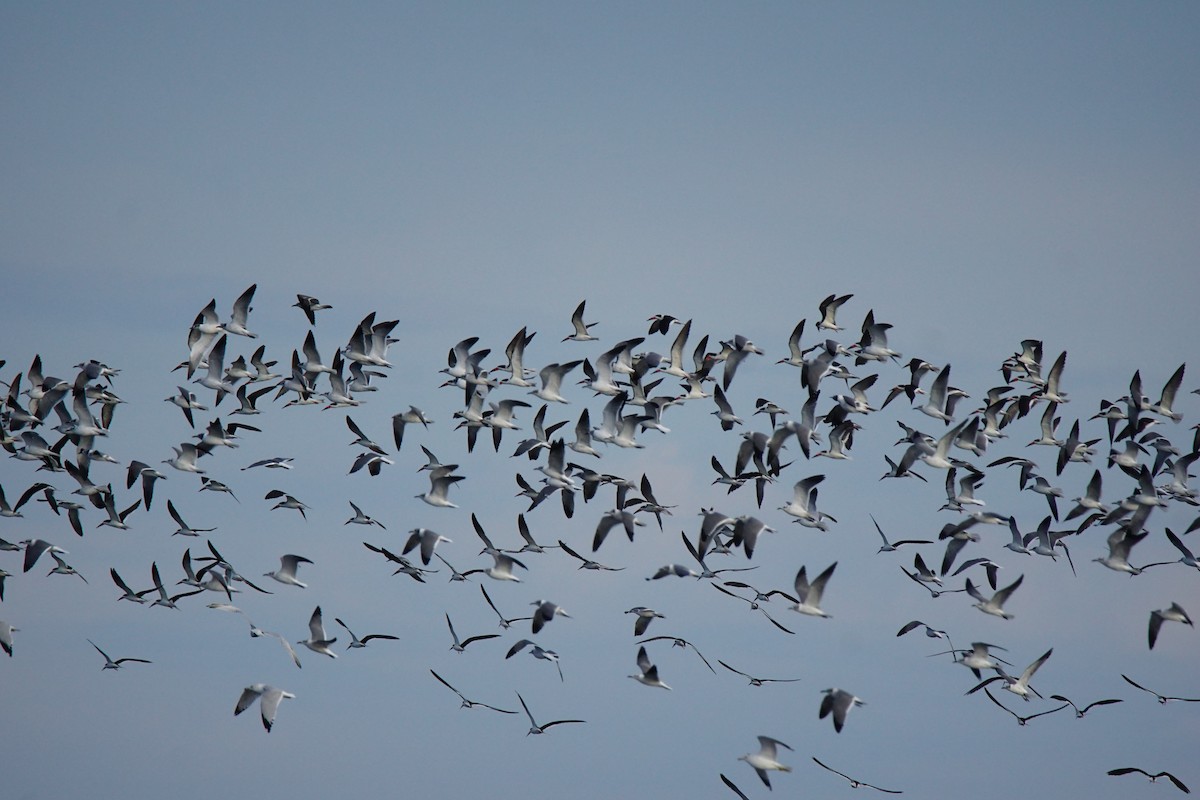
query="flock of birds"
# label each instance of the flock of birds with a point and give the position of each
(57, 427)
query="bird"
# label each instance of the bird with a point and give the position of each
(1162, 698)
(287, 502)
(34, 549)
(1018, 686)
(889, 547)
(537, 652)
(360, 518)
(930, 631)
(465, 702)
(110, 663)
(995, 604)
(413, 416)
(644, 617)
(539, 729)
(1173, 614)
(310, 306)
(1080, 712)
(269, 703)
(678, 642)
(165, 600)
(357, 642)
(128, 594)
(288, 564)
(754, 681)
(1152, 776)
(586, 563)
(828, 309)
(545, 612)
(6, 640)
(838, 702)
(766, 759)
(317, 641)
(582, 328)
(184, 528)
(1020, 719)
(427, 540)
(505, 622)
(460, 647)
(439, 488)
(809, 594)
(854, 782)
(648, 673)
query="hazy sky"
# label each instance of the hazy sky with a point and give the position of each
(975, 174)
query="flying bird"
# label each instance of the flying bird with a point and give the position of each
(269, 704)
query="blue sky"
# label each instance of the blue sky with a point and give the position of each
(974, 174)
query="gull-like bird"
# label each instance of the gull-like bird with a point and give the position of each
(186, 401)
(995, 604)
(15, 510)
(766, 759)
(240, 314)
(270, 697)
(110, 663)
(147, 473)
(427, 540)
(755, 681)
(1018, 686)
(644, 617)
(440, 482)
(465, 702)
(460, 647)
(1152, 776)
(1173, 614)
(1120, 543)
(545, 612)
(317, 641)
(838, 702)
(6, 640)
(809, 594)
(537, 651)
(551, 377)
(538, 729)
(648, 674)
(288, 564)
(357, 642)
(855, 782)
(414, 416)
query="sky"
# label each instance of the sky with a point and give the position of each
(973, 174)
